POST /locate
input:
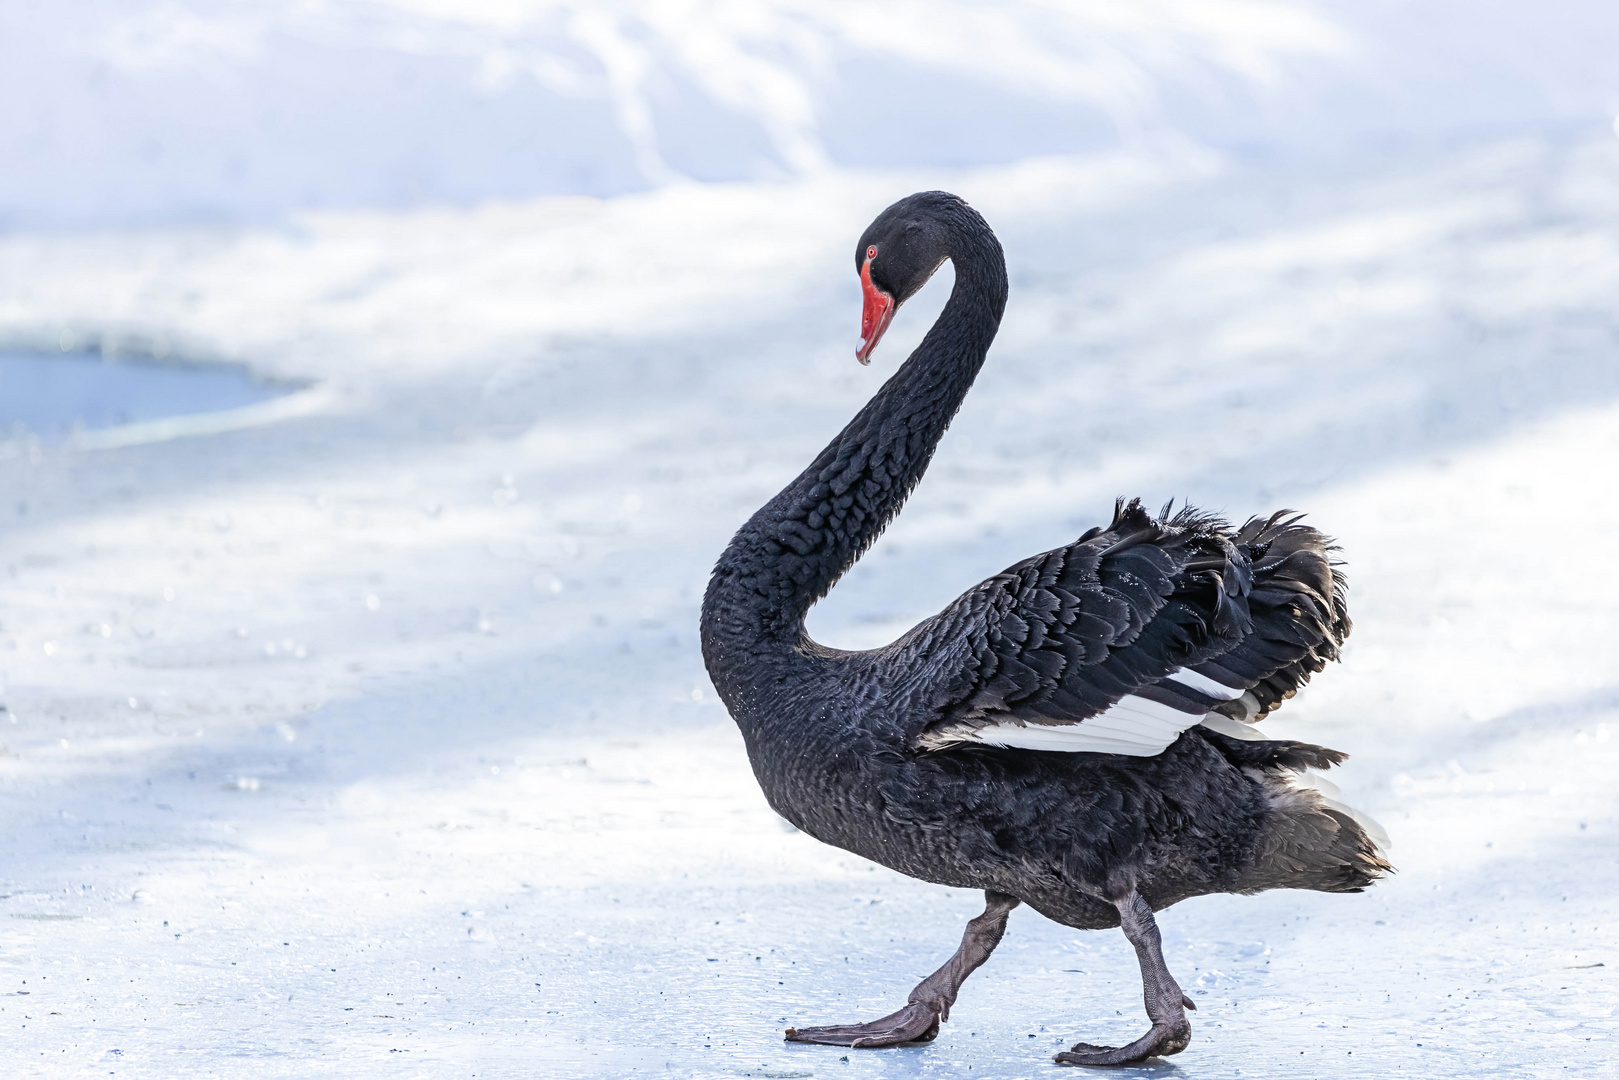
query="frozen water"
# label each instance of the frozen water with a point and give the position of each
(371, 737)
(53, 395)
(1419, 354)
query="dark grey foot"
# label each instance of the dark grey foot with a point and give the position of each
(1171, 1032)
(930, 1002)
(914, 1023)
(1161, 1041)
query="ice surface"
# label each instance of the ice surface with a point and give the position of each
(371, 738)
(378, 740)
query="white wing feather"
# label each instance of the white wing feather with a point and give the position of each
(1134, 726)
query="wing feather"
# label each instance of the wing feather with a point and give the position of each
(1132, 634)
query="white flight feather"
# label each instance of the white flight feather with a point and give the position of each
(1134, 726)
(1204, 685)
(1227, 726)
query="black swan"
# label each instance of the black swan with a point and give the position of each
(1074, 733)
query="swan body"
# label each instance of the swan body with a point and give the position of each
(1074, 733)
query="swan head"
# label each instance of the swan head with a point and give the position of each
(896, 256)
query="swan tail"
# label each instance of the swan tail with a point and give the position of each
(1310, 839)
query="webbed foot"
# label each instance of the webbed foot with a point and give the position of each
(930, 1002)
(1161, 1041)
(1166, 1005)
(914, 1023)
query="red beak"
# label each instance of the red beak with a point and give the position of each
(874, 314)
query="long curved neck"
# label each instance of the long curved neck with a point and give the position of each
(796, 546)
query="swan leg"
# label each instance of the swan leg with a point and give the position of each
(1166, 1005)
(929, 1004)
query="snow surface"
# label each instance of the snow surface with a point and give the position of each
(149, 111)
(363, 732)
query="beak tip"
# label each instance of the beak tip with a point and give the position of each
(877, 309)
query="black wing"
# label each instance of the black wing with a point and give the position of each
(1120, 641)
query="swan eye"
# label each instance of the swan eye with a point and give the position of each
(871, 252)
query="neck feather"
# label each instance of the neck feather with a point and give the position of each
(792, 551)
